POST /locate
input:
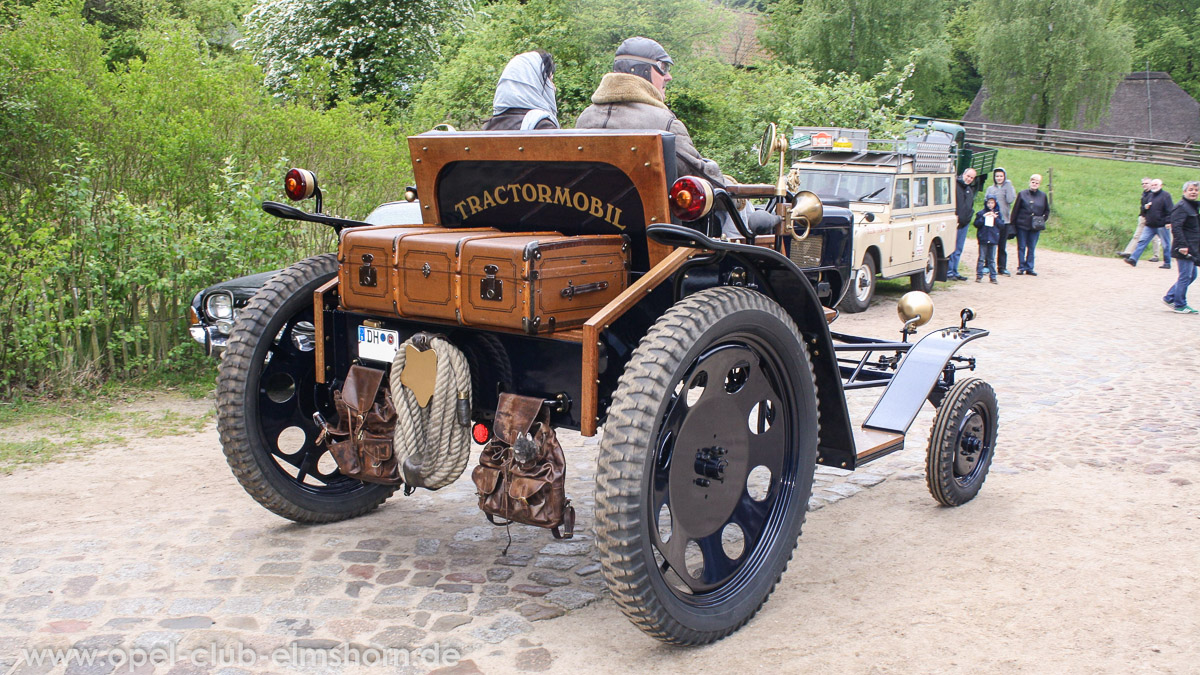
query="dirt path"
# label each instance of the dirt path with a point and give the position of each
(1078, 556)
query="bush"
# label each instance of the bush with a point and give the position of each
(128, 190)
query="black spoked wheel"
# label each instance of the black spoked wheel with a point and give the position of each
(266, 396)
(962, 442)
(923, 280)
(862, 287)
(706, 466)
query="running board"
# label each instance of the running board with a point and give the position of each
(872, 444)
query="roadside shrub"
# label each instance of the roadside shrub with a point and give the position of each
(125, 191)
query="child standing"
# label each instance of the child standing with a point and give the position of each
(989, 226)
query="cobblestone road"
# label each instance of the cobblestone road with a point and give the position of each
(155, 544)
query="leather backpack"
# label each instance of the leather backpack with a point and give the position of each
(521, 475)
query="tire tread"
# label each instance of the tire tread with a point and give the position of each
(234, 375)
(621, 464)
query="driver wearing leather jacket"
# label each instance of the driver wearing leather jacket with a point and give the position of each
(632, 97)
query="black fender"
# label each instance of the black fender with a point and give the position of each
(777, 277)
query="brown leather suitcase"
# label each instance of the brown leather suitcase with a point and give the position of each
(428, 270)
(368, 275)
(539, 283)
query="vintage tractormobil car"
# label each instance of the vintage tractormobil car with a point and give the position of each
(902, 195)
(567, 279)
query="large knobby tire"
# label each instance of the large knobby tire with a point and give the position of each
(962, 442)
(711, 439)
(923, 280)
(862, 287)
(266, 396)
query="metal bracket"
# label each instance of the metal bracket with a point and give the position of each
(367, 275)
(491, 288)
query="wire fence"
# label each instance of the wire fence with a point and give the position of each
(1082, 143)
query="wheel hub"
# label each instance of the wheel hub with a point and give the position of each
(970, 446)
(705, 491)
(710, 464)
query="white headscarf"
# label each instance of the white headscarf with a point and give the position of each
(523, 86)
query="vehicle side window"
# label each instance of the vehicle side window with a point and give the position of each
(941, 191)
(901, 201)
(920, 192)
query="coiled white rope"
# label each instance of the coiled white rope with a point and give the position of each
(431, 447)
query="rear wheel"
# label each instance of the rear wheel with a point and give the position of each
(266, 395)
(923, 280)
(862, 287)
(706, 466)
(962, 442)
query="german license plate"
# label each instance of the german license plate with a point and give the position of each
(377, 344)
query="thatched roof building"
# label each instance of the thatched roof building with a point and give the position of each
(1144, 105)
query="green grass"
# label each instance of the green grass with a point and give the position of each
(1095, 200)
(53, 429)
(18, 453)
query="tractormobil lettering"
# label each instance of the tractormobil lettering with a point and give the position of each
(516, 193)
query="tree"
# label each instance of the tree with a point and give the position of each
(582, 35)
(1166, 33)
(1052, 61)
(861, 36)
(382, 47)
(724, 107)
(123, 22)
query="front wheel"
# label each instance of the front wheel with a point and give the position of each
(706, 466)
(862, 287)
(266, 396)
(962, 442)
(923, 280)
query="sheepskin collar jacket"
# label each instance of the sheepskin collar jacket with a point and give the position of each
(624, 101)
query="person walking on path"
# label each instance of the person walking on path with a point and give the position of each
(964, 203)
(989, 230)
(1158, 206)
(1004, 192)
(1185, 223)
(1141, 225)
(1029, 216)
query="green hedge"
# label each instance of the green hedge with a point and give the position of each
(125, 191)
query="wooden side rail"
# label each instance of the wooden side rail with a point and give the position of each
(589, 396)
(319, 326)
(751, 190)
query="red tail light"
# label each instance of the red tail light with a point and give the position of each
(299, 184)
(481, 433)
(691, 198)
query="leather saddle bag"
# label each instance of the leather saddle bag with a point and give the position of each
(362, 442)
(521, 475)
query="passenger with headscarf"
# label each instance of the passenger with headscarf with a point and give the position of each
(524, 97)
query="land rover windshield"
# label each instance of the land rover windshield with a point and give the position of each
(848, 186)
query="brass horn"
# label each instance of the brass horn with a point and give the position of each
(808, 210)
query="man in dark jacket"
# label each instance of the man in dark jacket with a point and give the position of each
(631, 97)
(964, 205)
(1185, 224)
(1141, 225)
(1157, 209)
(1031, 203)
